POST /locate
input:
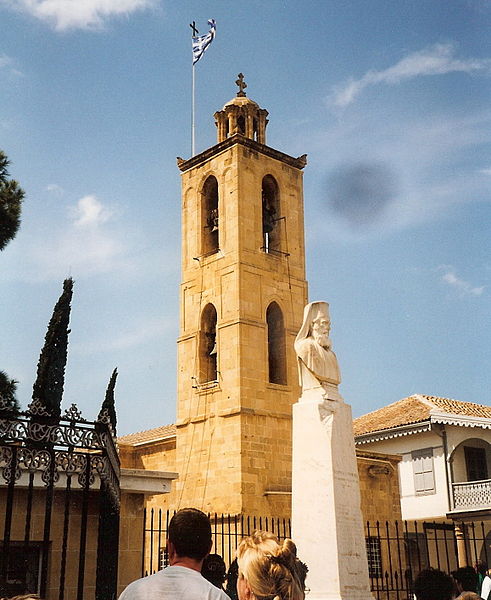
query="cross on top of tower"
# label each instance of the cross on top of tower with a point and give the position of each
(242, 85)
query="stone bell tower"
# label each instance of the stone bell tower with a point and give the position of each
(241, 301)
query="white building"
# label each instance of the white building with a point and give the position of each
(445, 469)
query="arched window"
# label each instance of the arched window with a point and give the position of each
(276, 344)
(208, 345)
(209, 208)
(241, 126)
(271, 214)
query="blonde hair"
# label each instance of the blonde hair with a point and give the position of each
(272, 571)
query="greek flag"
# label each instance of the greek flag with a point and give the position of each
(201, 42)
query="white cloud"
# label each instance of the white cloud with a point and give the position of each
(5, 61)
(89, 212)
(438, 59)
(82, 246)
(85, 240)
(77, 252)
(450, 278)
(56, 189)
(79, 14)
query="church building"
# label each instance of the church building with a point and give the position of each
(242, 295)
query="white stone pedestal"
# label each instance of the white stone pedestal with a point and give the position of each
(327, 524)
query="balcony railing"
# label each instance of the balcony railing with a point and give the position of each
(472, 495)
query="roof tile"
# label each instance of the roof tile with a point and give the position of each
(150, 435)
(415, 409)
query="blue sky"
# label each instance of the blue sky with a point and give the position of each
(389, 99)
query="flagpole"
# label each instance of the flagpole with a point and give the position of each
(192, 114)
(200, 44)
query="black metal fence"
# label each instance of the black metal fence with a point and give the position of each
(227, 531)
(396, 551)
(59, 489)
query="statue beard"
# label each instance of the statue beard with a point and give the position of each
(322, 339)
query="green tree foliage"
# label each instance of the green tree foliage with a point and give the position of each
(48, 387)
(109, 403)
(8, 389)
(11, 196)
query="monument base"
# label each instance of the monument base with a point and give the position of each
(327, 524)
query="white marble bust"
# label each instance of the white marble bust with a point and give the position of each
(317, 363)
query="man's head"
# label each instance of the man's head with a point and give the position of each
(214, 569)
(432, 584)
(190, 534)
(466, 579)
(321, 325)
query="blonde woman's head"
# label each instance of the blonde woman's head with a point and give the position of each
(269, 570)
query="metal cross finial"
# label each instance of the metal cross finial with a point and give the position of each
(193, 27)
(242, 85)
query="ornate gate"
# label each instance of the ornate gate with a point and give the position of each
(59, 486)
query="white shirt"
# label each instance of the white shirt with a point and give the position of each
(173, 583)
(486, 587)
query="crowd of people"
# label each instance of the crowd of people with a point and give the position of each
(264, 569)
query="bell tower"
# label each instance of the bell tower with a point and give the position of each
(242, 295)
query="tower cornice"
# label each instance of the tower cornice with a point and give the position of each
(237, 138)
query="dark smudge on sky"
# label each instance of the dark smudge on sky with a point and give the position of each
(360, 192)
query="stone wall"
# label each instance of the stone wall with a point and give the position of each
(379, 486)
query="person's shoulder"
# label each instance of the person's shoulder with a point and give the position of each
(138, 589)
(212, 592)
(219, 594)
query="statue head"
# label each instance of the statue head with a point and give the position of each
(316, 323)
(321, 326)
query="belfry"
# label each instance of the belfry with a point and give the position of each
(242, 294)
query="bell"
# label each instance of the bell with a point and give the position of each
(214, 228)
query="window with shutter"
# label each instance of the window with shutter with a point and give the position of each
(424, 477)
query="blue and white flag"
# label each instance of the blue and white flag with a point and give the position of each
(201, 42)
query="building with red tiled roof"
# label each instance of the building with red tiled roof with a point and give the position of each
(417, 410)
(148, 436)
(152, 449)
(431, 432)
(445, 446)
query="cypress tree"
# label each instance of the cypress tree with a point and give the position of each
(11, 196)
(48, 387)
(8, 388)
(109, 403)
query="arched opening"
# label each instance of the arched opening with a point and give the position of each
(471, 461)
(255, 129)
(271, 214)
(209, 213)
(276, 344)
(208, 345)
(241, 125)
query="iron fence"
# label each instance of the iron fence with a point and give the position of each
(59, 485)
(227, 531)
(396, 551)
